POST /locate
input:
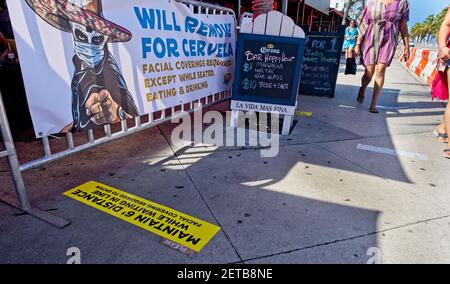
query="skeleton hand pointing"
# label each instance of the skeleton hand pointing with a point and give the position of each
(102, 108)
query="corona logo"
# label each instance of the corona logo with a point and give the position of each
(270, 48)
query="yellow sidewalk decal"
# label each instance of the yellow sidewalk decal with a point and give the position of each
(303, 113)
(163, 221)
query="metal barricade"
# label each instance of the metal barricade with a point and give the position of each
(21, 200)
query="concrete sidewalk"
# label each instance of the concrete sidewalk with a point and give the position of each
(324, 199)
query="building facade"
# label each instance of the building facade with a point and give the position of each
(314, 15)
(338, 5)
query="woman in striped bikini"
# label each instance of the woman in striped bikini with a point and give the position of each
(379, 26)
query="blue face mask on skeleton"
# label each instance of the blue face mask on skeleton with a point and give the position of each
(89, 45)
(91, 54)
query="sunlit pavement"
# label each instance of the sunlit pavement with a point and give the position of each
(348, 186)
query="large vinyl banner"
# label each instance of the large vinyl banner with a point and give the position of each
(92, 62)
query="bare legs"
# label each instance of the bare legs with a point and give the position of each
(365, 81)
(447, 118)
(379, 82)
(379, 71)
(444, 127)
(349, 53)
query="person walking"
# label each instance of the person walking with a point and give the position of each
(351, 34)
(379, 26)
(444, 61)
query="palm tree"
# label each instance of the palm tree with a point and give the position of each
(422, 32)
(428, 26)
(428, 29)
(418, 32)
(347, 8)
(356, 11)
(438, 19)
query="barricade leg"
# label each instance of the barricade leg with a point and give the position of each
(21, 192)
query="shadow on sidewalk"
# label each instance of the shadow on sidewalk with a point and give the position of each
(266, 206)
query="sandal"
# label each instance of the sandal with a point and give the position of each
(442, 137)
(373, 110)
(360, 99)
(446, 153)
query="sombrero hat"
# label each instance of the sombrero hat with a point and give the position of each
(60, 13)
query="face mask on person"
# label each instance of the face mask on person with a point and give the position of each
(89, 45)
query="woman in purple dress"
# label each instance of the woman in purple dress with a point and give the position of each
(379, 26)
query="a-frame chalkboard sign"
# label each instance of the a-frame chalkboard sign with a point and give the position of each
(321, 63)
(268, 67)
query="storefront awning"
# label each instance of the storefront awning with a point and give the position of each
(321, 5)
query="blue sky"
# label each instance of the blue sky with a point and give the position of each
(420, 9)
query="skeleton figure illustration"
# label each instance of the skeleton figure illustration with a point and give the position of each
(99, 92)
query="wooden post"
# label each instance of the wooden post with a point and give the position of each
(347, 10)
(239, 10)
(284, 6)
